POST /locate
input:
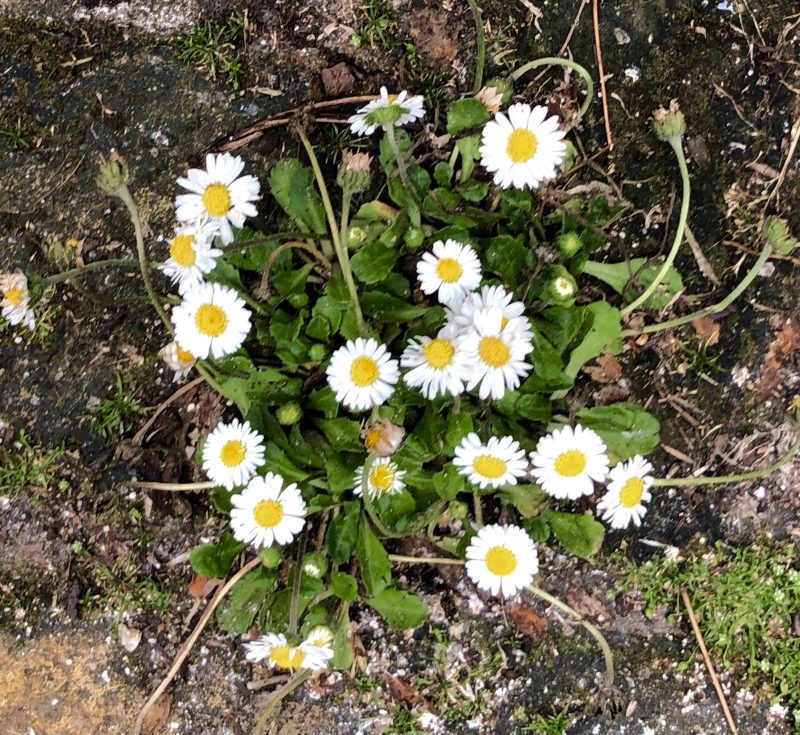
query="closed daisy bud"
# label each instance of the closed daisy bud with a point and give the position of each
(315, 565)
(560, 287)
(776, 233)
(491, 98)
(289, 413)
(354, 171)
(502, 559)
(569, 243)
(382, 438)
(112, 175)
(669, 124)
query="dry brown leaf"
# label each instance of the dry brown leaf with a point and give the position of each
(200, 587)
(528, 622)
(783, 347)
(607, 370)
(399, 691)
(157, 715)
(707, 330)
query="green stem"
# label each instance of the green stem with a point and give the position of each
(550, 60)
(608, 679)
(480, 42)
(97, 265)
(126, 198)
(677, 146)
(204, 371)
(345, 215)
(413, 212)
(423, 560)
(722, 305)
(726, 479)
(277, 697)
(339, 247)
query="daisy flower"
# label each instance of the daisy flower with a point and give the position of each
(275, 650)
(522, 149)
(211, 320)
(382, 438)
(462, 315)
(384, 478)
(232, 454)
(438, 364)
(319, 644)
(268, 513)
(496, 354)
(567, 461)
(177, 359)
(450, 271)
(497, 463)
(191, 255)
(400, 110)
(627, 493)
(15, 299)
(219, 194)
(362, 374)
(501, 559)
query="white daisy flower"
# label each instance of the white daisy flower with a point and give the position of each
(567, 461)
(497, 463)
(232, 453)
(563, 287)
(384, 478)
(627, 493)
(211, 320)
(406, 109)
(268, 513)
(219, 194)
(439, 365)
(524, 148)
(177, 359)
(274, 649)
(450, 271)
(502, 559)
(462, 315)
(319, 645)
(496, 355)
(362, 374)
(15, 299)
(191, 255)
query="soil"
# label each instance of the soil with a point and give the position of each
(81, 554)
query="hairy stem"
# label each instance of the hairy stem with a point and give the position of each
(96, 266)
(424, 560)
(263, 289)
(480, 43)
(551, 60)
(400, 160)
(174, 486)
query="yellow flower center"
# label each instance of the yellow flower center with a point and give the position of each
(232, 453)
(563, 286)
(217, 200)
(182, 250)
(501, 561)
(16, 296)
(631, 493)
(373, 438)
(570, 463)
(382, 478)
(210, 320)
(364, 371)
(521, 146)
(494, 352)
(449, 270)
(488, 466)
(439, 353)
(268, 513)
(504, 320)
(392, 98)
(286, 657)
(184, 355)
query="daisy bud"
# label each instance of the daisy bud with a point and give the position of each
(491, 98)
(271, 557)
(501, 86)
(458, 510)
(288, 414)
(382, 438)
(315, 565)
(356, 236)
(317, 352)
(776, 233)
(354, 171)
(561, 286)
(569, 244)
(112, 175)
(669, 124)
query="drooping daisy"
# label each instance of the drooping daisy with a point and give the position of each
(177, 359)
(513, 318)
(388, 109)
(232, 453)
(362, 374)
(627, 493)
(450, 270)
(523, 148)
(211, 320)
(502, 559)
(439, 366)
(15, 299)
(382, 438)
(497, 463)
(191, 255)
(268, 513)
(496, 354)
(568, 461)
(274, 649)
(319, 644)
(384, 478)
(219, 194)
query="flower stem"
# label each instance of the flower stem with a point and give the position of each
(549, 61)
(97, 265)
(277, 697)
(174, 486)
(722, 305)
(262, 291)
(480, 43)
(608, 679)
(339, 247)
(726, 479)
(413, 211)
(345, 214)
(677, 146)
(424, 560)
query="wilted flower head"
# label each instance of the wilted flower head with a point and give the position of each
(113, 174)
(491, 97)
(382, 438)
(15, 298)
(669, 124)
(354, 171)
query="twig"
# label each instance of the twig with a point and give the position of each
(713, 674)
(702, 262)
(789, 155)
(139, 436)
(750, 251)
(601, 71)
(173, 486)
(190, 641)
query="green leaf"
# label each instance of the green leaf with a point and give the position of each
(469, 150)
(214, 560)
(373, 262)
(531, 406)
(466, 114)
(473, 191)
(342, 648)
(343, 532)
(244, 600)
(292, 185)
(632, 278)
(603, 335)
(626, 428)
(449, 482)
(581, 535)
(291, 282)
(443, 174)
(376, 569)
(458, 426)
(342, 434)
(344, 586)
(399, 608)
(527, 499)
(387, 309)
(506, 256)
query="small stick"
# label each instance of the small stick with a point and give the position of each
(178, 487)
(139, 436)
(599, 52)
(709, 665)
